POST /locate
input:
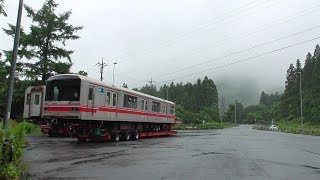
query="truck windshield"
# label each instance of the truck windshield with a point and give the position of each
(63, 90)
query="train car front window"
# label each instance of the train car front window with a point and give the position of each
(63, 90)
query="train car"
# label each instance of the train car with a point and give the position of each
(33, 102)
(34, 106)
(97, 110)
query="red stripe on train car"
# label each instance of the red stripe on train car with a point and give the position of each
(63, 108)
(57, 109)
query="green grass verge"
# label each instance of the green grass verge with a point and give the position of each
(205, 126)
(294, 126)
(11, 169)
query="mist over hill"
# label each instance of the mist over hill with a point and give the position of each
(246, 90)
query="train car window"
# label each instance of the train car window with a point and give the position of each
(90, 95)
(55, 93)
(155, 106)
(171, 110)
(28, 98)
(63, 90)
(142, 104)
(166, 109)
(114, 99)
(163, 109)
(146, 105)
(36, 99)
(108, 99)
(130, 101)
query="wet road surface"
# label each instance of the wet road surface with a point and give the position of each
(234, 153)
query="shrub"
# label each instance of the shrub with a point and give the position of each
(15, 138)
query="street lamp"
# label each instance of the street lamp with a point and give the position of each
(114, 66)
(301, 112)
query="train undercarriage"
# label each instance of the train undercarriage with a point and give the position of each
(102, 131)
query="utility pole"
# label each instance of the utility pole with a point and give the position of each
(13, 68)
(221, 109)
(235, 112)
(301, 111)
(102, 65)
(114, 66)
(151, 82)
(168, 92)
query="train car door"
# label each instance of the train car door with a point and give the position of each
(35, 104)
(144, 108)
(114, 104)
(90, 101)
(100, 100)
(166, 112)
(108, 103)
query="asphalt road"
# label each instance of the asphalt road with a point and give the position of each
(234, 153)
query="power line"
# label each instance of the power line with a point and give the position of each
(243, 60)
(184, 34)
(199, 24)
(262, 28)
(234, 53)
(92, 68)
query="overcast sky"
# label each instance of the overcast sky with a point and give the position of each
(152, 38)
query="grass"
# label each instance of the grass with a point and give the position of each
(11, 165)
(205, 126)
(294, 127)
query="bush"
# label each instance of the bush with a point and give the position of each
(205, 126)
(11, 169)
(31, 128)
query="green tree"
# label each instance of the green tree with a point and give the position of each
(151, 90)
(125, 85)
(308, 70)
(46, 40)
(264, 98)
(2, 8)
(83, 73)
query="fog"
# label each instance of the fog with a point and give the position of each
(246, 90)
(157, 39)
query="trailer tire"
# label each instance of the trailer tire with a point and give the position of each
(116, 137)
(127, 135)
(135, 135)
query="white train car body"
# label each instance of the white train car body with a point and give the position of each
(78, 97)
(33, 102)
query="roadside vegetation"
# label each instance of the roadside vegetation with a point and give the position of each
(12, 143)
(204, 126)
(294, 126)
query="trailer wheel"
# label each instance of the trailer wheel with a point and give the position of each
(116, 137)
(127, 135)
(135, 135)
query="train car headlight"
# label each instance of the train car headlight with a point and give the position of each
(75, 109)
